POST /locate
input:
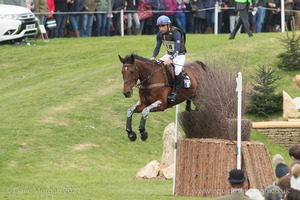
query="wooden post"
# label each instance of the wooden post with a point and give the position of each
(203, 165)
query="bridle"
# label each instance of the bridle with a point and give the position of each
(148, 78)
(136, 74)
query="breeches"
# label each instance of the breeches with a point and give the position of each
(178, 62)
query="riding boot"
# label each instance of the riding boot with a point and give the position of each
(173, 96)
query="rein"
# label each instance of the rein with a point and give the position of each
(139, 85)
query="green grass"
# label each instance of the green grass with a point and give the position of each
(63, 115)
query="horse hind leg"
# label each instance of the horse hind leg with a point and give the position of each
(188, 105)
(131, 134)
(143, 133)
(145, 112)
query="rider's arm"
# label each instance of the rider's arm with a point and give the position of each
(177, 43)
(157, 47)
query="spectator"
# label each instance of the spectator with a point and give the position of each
(132, 15)
(295, 176)
(294, 152)
(288, 7)
(109, 24)
(273, 192)
(189, 16)
(180, 15)
(254, 194)
(61, 7)
(75, 6)
(30, 5)
(275, 22)
(294, 192)
(86, 19)
(233, 16)
(41, 10)
(237, 181)
(260, 15)
(145, 15)
(118, 5)
(199, 18)
(252, 20)
(293, 195)
(171, 6)
(103, 8)
(158, 7)
(296, 9)
(284, 183)
(210, 15)
(242, 6)
(281, 168)
(51, 9)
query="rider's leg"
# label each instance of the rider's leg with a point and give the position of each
(178, 63)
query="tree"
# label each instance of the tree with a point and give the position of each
(262, 100)
(290, 59)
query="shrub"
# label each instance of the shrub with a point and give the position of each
(216, 108)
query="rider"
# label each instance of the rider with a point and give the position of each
(174, 41)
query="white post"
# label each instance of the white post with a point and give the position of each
(239, 120)
(175, 144)
(282, 16)
(216, 18)
(122, 23)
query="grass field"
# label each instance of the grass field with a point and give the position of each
(63, 115)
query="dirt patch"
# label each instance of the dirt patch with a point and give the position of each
(80, 147)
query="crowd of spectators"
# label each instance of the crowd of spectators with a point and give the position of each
(287, 186)
(85, 18)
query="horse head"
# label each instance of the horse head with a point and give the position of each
(130, 75)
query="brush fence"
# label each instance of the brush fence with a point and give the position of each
(203, 166)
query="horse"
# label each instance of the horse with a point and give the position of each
(154, 86)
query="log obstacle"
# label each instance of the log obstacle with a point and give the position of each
(203, 165)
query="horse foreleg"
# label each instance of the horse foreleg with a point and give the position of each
(145, 112)
(130, 132)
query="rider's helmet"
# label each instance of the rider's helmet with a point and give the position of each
(163, 20)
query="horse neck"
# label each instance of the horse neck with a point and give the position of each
(149, 71)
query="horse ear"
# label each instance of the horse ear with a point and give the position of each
(132, 59)
(121, 59)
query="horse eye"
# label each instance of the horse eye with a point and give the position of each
(132, 72)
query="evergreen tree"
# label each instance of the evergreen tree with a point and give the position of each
(262, 98)
(290, 59)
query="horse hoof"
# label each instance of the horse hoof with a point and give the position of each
(144, 136)
(188, 109)
(132, 136)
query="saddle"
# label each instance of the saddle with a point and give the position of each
(170, 76)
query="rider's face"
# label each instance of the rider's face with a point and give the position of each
(163, 28)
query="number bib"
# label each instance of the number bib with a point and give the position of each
(169, 45)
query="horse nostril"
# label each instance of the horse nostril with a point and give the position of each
(127, 94)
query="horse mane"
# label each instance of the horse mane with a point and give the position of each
(128, 59)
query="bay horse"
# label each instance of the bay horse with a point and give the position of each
(154, 87)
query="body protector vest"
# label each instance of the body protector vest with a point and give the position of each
(168, 41)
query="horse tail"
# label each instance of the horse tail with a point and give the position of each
(204, 67)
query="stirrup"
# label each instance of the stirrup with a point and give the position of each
(172, 97)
